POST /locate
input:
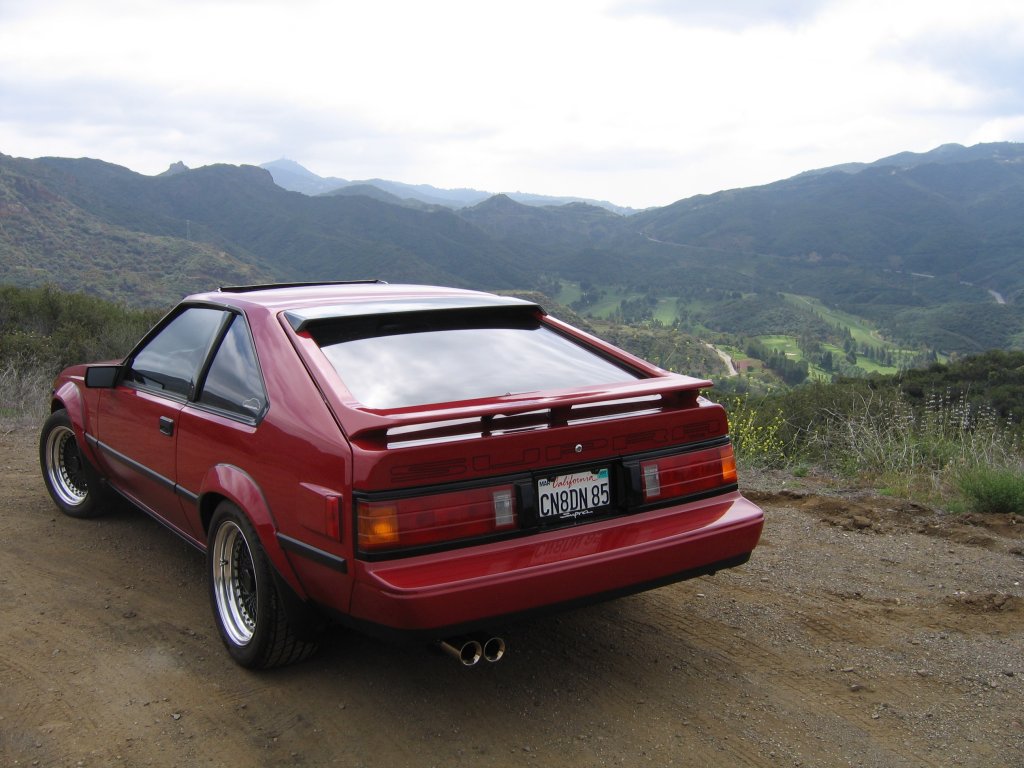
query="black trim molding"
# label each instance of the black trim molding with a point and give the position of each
(143, 470)
(303, 549)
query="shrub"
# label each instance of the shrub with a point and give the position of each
(991, 489)
(24, 391)
(755, 429)
(55, 329)
(921, 447)
(42, 330)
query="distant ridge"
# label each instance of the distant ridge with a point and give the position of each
(294, 177)
(291, 176)
(944, 154)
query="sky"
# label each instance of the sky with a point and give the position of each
(637, 102)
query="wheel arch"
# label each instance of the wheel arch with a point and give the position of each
(227, 482)
(68, 397)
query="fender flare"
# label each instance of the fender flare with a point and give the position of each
(237, 486)
(68, 396)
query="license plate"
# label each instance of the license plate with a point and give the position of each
(568, 497)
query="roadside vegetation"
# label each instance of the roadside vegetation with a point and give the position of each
(42, 330)
(940, 436)
(949, 434)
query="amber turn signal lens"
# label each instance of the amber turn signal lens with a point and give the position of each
(378, 525)
(438, 518)
(728, 465)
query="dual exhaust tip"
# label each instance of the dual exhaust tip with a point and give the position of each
(469, 650)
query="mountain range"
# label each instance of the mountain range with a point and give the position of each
(927, 246)
(292, 176)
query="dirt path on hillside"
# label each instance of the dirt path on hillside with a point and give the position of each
(725, 357)
(862, 633)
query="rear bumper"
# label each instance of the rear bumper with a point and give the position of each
(461, 589)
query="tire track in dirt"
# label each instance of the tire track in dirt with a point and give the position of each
(791, 683)
(31, 698)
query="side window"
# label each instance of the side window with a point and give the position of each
(171, 360)
(233, 383)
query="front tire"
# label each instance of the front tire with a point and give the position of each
(74, 485)
(247, 602)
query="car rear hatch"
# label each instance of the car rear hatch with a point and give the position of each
(489, 420)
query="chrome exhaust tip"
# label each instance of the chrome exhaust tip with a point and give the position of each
(466, 650)
(494, 649)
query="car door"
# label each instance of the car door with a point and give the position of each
(218, 426)
(138, 419)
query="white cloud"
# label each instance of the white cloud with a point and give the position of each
(641, 103)
(1000, 129)
(730, 14)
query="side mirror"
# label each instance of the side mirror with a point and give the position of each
(102, 376)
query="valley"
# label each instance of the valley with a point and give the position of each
(863, 349)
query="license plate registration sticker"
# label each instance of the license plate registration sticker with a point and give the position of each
(568, 497)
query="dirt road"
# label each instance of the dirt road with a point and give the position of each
(862, 633)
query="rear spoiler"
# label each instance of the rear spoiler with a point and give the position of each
(375, 429)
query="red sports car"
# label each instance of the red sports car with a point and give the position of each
(423, 460)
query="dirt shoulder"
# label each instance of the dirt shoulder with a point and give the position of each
(864, 632)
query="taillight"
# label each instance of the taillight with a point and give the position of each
(423, 520)
(684, 474)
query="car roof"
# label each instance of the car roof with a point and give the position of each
(306, 302)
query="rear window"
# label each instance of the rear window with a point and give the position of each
(400, 361)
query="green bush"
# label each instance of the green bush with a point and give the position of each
(43, 330)
(920, 446)
(51, 328)
(991, 489)
(755, 429)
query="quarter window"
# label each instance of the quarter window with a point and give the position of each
(233, 383)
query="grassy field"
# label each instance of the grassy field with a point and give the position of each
(570, 292)
(860, 329)
(788, 346)
(785, 344)
(614, 295)
(666, 312)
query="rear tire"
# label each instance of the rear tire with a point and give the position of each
(73, 483)
(247, 601)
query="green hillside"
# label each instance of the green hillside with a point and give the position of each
(45, 238)
(924, 250)
(240, 212)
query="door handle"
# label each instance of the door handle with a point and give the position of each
(166, 425)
